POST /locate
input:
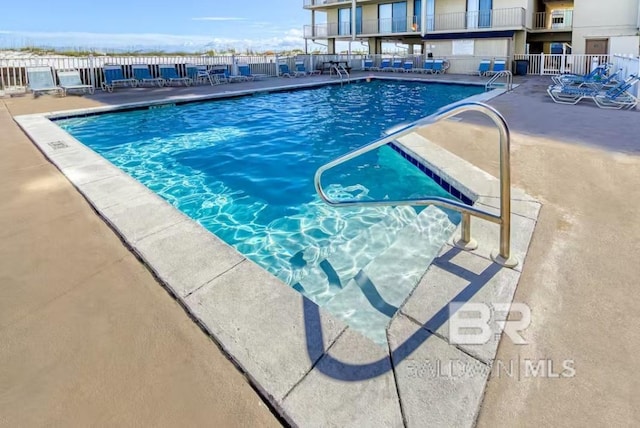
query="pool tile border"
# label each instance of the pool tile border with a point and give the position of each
(310, 367)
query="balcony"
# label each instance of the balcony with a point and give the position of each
(512, 18)
(309, 4)
(556, 20)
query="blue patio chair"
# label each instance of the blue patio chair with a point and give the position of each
(201, 74)
(283, 70)
(70, 81)
(397, 65)
(170, 75)
(143, 75)
(385, 65)
(407, 66)
(484, 67)
(577, 79)
(368, 65)
(498, 66)
(300, 68)
(219, 74)
(114, 77)
(244, 73)
(616, 97)
(438, 66)
(428, 66)
(602, 82)
(40, 80)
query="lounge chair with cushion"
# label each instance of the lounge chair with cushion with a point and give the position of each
(397, 65)
(40, 80)
(70, 81)
(616, 97)
(114, 77)
(170, 75)
(484, 67)
(143, 75)
(498, 66)
(593, 76)
(283, 70)
(368, 65)
(438, 66)
(385, 65)
(300, 68)
(407, 66)
(428, 66)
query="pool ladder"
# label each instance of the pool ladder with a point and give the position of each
(502, 255)
(491, 84)
(340, 72)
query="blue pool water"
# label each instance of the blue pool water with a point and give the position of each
(243, 168)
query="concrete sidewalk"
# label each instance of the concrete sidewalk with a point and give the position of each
(87, 336)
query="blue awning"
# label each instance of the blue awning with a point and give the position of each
(469, 35)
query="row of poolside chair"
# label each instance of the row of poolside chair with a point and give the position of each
(600, 85)
(220, 74)
(431, 66)
(41, 80)
(168, 75)
(300, 70)
(485, 69)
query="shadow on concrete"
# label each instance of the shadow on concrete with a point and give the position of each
(345, 371)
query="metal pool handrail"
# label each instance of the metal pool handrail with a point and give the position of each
(503, 254)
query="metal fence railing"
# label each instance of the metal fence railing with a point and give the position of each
(13, 71)
(627, 66)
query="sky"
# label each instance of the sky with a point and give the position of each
(145, 24)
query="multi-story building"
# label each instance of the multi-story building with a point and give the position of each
(498, 28)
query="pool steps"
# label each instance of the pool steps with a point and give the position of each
(378, 280)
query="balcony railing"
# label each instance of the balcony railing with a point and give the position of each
(459, 21)
(311, 3)
(561, 19)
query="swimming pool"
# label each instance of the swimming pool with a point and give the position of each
(243, 168)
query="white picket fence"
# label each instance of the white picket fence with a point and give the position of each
(552, 64)
(627, 66)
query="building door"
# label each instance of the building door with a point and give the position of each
(597, 47)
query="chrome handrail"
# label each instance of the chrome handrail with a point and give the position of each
(499, 74)
(339, 68)
(503, 254)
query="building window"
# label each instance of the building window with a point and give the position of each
(344, 21)
(392, 17)
(479, 13)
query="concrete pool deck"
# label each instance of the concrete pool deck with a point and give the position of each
(477, 133)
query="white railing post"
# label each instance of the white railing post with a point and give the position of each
(92, 68)
(542, 63)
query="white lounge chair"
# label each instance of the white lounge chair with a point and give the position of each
(70, 81)
(40, 79)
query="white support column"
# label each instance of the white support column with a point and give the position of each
(353, 22)
(423, 18)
